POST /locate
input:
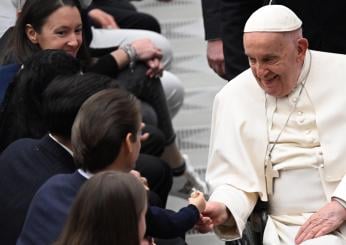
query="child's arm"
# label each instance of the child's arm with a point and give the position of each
(164, 223)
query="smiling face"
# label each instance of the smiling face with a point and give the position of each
(275, 59)
(62, 30)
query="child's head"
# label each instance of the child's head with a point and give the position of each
(65, 95)
(22, 106)
(109, 209)
(107, 130)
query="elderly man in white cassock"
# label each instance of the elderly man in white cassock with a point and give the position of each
(279, 134)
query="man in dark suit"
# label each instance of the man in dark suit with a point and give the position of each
(224, 21)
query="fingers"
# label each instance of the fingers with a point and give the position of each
(204, 225)
(215, 56)
(142, 179)
(155, 68)
(146, 50)
(307, 231)
(197, 199)
(102, 18)
(144, 137)
(111, 24)
(218, 67)
(135, 173)
(145, 183)
(323, 222)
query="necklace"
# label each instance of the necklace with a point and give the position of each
(270, 173)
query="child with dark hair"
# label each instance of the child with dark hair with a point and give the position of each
(21, 111)
(27, 163)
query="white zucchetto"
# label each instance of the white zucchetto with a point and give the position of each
(273, 18)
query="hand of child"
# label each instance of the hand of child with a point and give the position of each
(142, 179)
(197, 199)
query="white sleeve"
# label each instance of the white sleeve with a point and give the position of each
(340, 191)
(240, 204)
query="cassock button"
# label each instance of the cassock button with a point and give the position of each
(307, 131)
(300, 113)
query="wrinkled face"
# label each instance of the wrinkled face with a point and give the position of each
(275, 59)
(62, 30)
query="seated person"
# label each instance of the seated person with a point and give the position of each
(28, 163)
(285, 141)
(114, 146)
(109, 208)
(59, 26)
(101, 41)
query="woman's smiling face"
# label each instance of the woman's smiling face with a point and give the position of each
(62, 30)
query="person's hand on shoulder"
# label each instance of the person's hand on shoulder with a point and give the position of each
(142, 179)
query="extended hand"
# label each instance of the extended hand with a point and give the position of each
(197, 199)
(215, 213)
(326, 220)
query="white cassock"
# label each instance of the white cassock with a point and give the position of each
(309, 156)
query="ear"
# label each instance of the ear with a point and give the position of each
(303, 45)
(129, 142)
(31, 33)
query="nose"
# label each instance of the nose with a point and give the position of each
(261, 70)
(73, 41)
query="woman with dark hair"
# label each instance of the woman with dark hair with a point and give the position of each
(59, 25)
(109, 209)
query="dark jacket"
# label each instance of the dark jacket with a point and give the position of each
(50, 207)
(24, 166)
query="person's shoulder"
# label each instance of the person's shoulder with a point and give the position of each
(22, 143)
(56, 182)
(322, 55)
(18, 148)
